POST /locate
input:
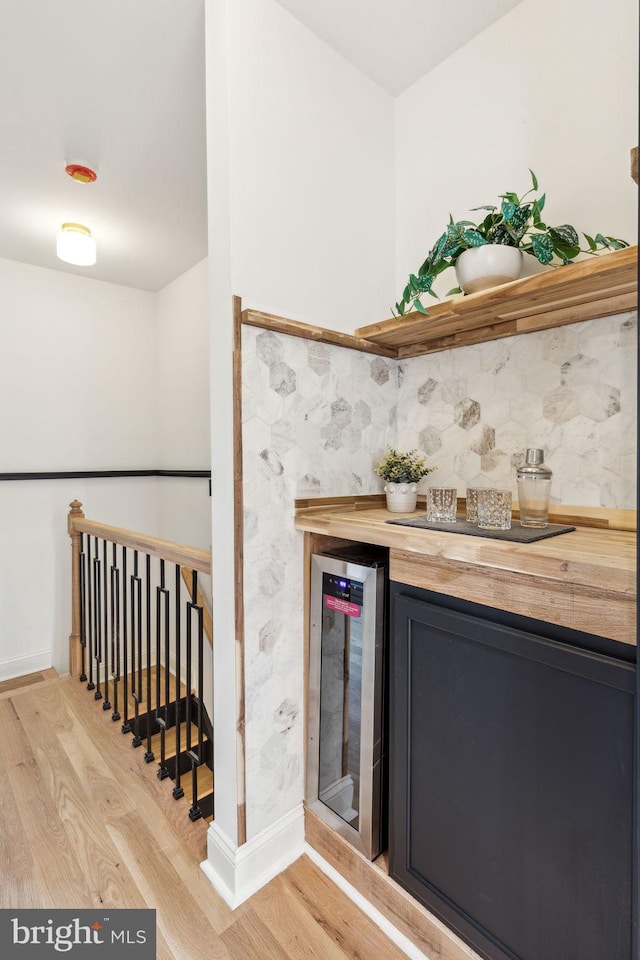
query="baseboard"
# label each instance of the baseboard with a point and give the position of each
(238, 872)
(370, 881)
(391, 931)
(21, 666)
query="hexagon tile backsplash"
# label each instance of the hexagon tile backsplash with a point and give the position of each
(316, 417)
(570, 390)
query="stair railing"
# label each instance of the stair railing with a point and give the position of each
(137, 640)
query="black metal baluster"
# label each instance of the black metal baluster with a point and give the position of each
(195, 813)
(126, 726)
(177, 790)
(136, 648)
(83, 610)
(167, 662)
(97, 610)
(115, 631)
(158, 651)
(162, 710)
(105, 611)
(90, 652)
(149, 754)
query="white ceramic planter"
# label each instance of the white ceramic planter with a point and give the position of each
(487, 266)
(401, 497)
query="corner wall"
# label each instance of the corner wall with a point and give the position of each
(551, 86)
(311, 144)
(183, 411)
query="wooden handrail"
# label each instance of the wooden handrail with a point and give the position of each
(193, 557)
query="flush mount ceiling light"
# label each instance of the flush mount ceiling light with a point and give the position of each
(76, 245)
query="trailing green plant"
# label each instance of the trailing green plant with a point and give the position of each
(517, 222)
(398, 467)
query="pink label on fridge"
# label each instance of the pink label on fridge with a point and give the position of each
(342, 606)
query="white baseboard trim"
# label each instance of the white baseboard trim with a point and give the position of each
(395, 935)
(21, 666)
(238, 872)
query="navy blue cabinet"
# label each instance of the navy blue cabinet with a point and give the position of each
(511, 780)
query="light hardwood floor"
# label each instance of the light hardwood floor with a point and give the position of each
(84, 822)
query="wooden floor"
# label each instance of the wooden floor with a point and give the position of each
(84, 822)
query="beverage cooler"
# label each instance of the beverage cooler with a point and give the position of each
(346, 761)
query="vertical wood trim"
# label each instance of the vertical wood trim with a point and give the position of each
(634, 164)
(238, 507)
(308, 550)
(75, 650)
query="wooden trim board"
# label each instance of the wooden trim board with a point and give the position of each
(373, 882)
(239, 570)
(603, 518)
(307, 331)
(597, 610)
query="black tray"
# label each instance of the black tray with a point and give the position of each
(516, 534)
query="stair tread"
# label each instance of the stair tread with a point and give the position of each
(205, 784)
(205, 775)
(154, 701)
(170, 740)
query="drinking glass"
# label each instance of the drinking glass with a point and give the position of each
(442, 503)
(472, 504)
(494, 509)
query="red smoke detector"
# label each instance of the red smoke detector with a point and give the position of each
(81, 173)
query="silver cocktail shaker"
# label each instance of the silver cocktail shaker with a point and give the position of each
(534, 487)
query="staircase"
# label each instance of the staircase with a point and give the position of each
(139, 624)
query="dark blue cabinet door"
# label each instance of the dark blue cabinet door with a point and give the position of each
(511, 784)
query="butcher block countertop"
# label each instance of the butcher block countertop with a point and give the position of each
(584, 580)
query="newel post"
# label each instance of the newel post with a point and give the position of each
(76, 666)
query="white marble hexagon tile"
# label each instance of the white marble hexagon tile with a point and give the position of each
(570, 390)
(314, 419)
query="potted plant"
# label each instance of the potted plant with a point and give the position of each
(403, 472)
(505, 233)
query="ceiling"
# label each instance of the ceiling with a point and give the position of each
(120, 85)
(395, 42)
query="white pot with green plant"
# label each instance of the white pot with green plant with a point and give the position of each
(473, 249)
(402, 472)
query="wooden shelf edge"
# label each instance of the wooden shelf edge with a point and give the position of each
(307, 331)
(600, 286)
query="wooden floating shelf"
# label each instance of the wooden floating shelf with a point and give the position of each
(597, 287)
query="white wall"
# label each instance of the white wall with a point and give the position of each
(77, 389)
(311, 175)
(77, 392)
(551, 86)
(181, 340)
(183, 412)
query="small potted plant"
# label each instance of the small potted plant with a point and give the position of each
(488, 253)
(402, 472)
